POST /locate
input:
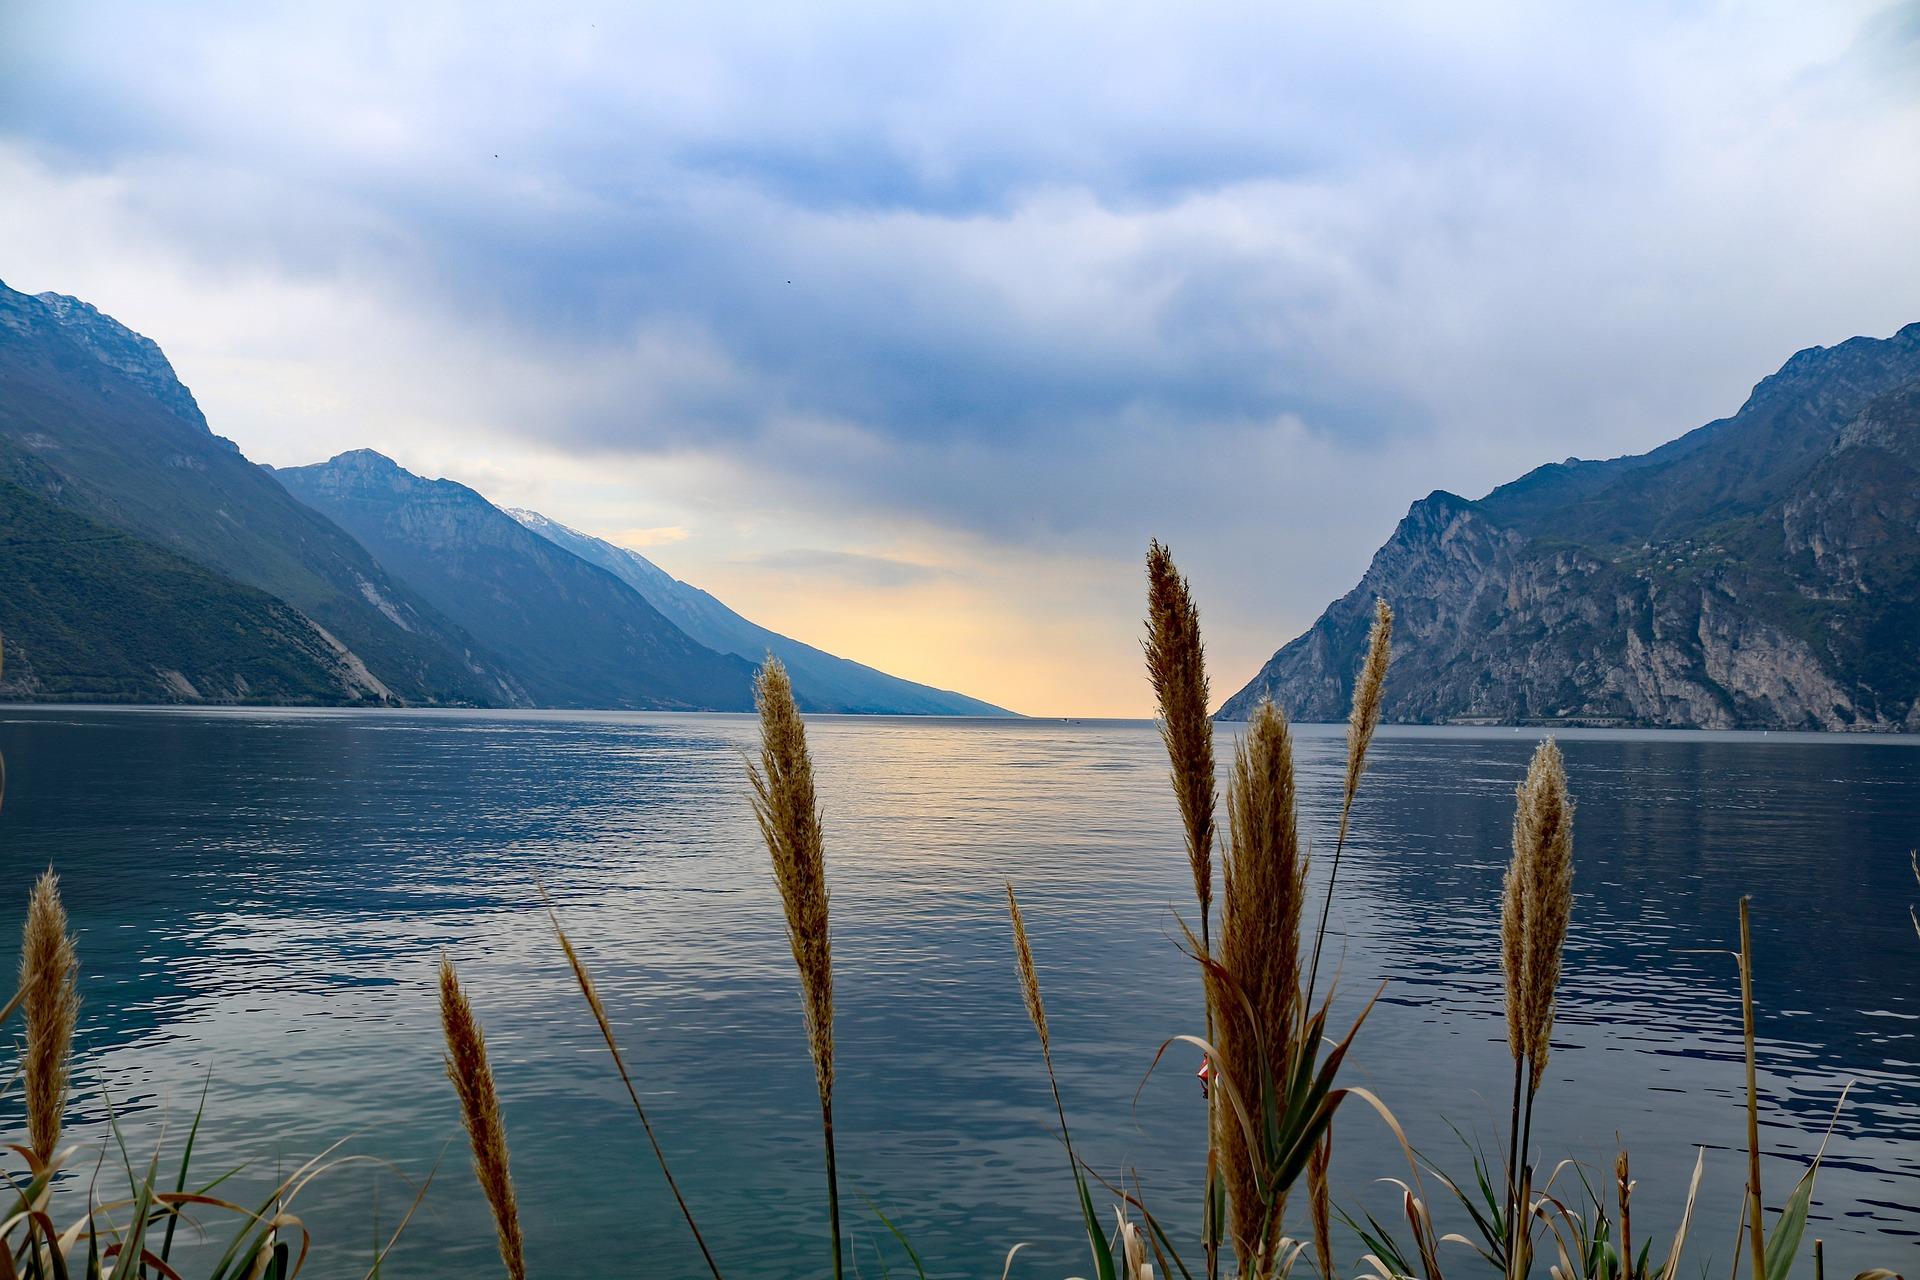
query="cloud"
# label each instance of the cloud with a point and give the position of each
(992, 278)
(883, 573)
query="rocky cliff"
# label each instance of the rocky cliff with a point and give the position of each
(134, 356)
(1762, 571)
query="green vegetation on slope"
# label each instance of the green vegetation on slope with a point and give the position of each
(93, 614)
(100, 442)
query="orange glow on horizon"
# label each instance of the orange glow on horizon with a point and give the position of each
(1060, 661)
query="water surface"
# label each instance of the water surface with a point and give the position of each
(261, 897)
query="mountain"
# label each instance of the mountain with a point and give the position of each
(1762, 571)
(93, 419)
(821, 681)
(93, 614)
(573, 634)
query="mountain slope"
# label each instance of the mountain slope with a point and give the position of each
(95, 420)
(1762, 571)
(93, 614)
(572, 633)
(821, 681)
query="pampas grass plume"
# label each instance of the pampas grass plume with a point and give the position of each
(472, 1077)
(1368, 695)
(1513, 951)
(1177, 668)
(51, 1003)
(789, 816)
(1029, 979)
(1543, 835)
(1257, 998)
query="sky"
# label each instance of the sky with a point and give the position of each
(903, 327)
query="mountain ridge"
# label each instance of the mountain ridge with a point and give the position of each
(823, 682)
(81, 425)
(97, 427)
(1688, 586)
(573, 634)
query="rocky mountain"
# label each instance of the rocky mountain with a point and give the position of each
(90, 613)
(573, 634)
(1762, 571)
(93, 420)
(135, 356)
(821, 681)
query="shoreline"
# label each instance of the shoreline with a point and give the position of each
(1584, 730)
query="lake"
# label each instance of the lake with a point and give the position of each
(261, 897)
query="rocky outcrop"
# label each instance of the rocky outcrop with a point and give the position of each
(1763, 571)
(134, 356)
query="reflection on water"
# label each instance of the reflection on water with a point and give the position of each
(261, 897)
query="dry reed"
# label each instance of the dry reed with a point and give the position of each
(1177, 670)
(1369, 694)
(472, 1077)
(1132, 1246)
(1369, 691)
(51, 1005)
(1543, 826)
(789, 816)
(1623, 1188)
(1513, 955)
(1536, 906)
(1756, 1224)
(1029, 979)
(1037, 1014)
(1320, 1203)
(591, 994)
(1256, 988)
(1177, 667)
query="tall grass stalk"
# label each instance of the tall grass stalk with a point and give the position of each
(472, 1076)
(1320, 1204)
(1177, 670)
(51, 1001)
(1037, 1014)
(1756, 1235)
(591, 994)
(1536, 906)
(1369, 690)
(789, 816)
(1623, 1189)
(1256, 987)
(1036, 1011)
